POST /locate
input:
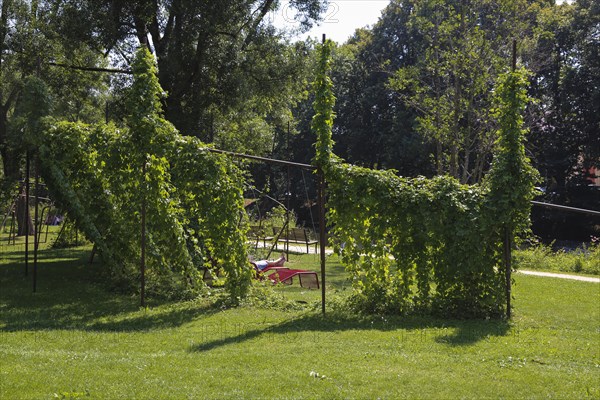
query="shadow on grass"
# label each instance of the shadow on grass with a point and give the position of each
(464, 333)
(470, 332)
(69, 297)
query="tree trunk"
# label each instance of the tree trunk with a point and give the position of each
(465, 171)
(24, 218)
(454, 161)
(439, 166)
(10, 156)
(10, 164)
(478, 171)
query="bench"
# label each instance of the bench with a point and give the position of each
(258, 233)
(296, 236)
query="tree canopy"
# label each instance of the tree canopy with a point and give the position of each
(414, 93)
(227, 70)
(30, 47)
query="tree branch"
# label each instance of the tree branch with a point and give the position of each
(263, 12)
(92, 69)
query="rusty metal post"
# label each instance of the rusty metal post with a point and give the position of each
(508, 268)
(35, 219)
(507, 229)
(27, 162)
(322, 233)
(143, 241)
(287, 214)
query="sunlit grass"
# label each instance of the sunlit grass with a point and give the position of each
(74, 338)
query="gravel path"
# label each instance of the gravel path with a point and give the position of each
(562, 276)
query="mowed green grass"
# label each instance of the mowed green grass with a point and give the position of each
(75, 339)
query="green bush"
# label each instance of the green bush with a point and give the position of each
(584, 260)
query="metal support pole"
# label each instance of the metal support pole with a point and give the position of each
(143, 241)
(322, 233)
(287, 214)
(12, 233)
(35, 219)
(508, 268)
(566, 208)
(262, 159)
(288, 194)
(26, 214)
(507, 228)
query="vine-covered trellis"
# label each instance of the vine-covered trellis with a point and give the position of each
(410, 244)
(427, 245)
(108, 178)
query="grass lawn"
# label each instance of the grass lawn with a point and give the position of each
(74, 339)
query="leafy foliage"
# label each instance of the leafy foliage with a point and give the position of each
(322, 122)
(227, 69)
(373, 126)
(193, 198)
(565, 121)
(34, 104)
(450, 84)
(31, 49)
(426, 245)
(443, 58)
(511, 178)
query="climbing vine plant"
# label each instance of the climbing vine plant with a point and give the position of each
(102, 174)
(426, 245)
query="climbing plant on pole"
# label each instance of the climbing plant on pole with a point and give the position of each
(511, 178)
(322, 122)
(149, 135)
(103, 176)
(424, 245)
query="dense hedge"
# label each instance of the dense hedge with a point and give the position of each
(101, 175)
(426, 245)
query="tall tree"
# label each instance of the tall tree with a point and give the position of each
(449, 85)
(30, 47)
(374, 127)
(224, 66)
(565, 122)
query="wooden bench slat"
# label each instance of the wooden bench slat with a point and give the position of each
(295, 235)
